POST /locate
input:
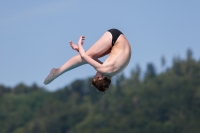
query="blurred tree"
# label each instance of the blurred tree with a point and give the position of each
(150, 72)
(118, 82)
(20, 88)
(35, 87)
(177, 69)
(135, 74)
(4, 90)
(189, 55)
(78, 86)
(163, 61)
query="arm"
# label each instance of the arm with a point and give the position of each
(75, 47)
(87, 58)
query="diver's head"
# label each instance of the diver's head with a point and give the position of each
(101, 82)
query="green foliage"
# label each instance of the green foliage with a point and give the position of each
(151, 72)
(168, 102)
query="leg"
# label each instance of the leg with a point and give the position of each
(102, 46)
(70, 64)
(99, 49)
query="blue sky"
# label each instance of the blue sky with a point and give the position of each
(34, 35)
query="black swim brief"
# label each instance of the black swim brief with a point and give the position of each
(115, 34)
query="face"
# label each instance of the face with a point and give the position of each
(99, 75)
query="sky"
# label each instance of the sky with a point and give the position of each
(34, 35)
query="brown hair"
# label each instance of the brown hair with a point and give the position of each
(101, 85)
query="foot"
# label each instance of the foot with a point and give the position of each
(51, 76)
(74, 46)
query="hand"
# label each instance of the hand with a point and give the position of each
(74, 46)
(80, 47)
(81, 40)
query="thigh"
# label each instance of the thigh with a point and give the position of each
(101, 47)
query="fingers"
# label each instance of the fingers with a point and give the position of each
(82, 37)
(81, 40)
(71, 43)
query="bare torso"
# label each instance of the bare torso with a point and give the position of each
(119, 57)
